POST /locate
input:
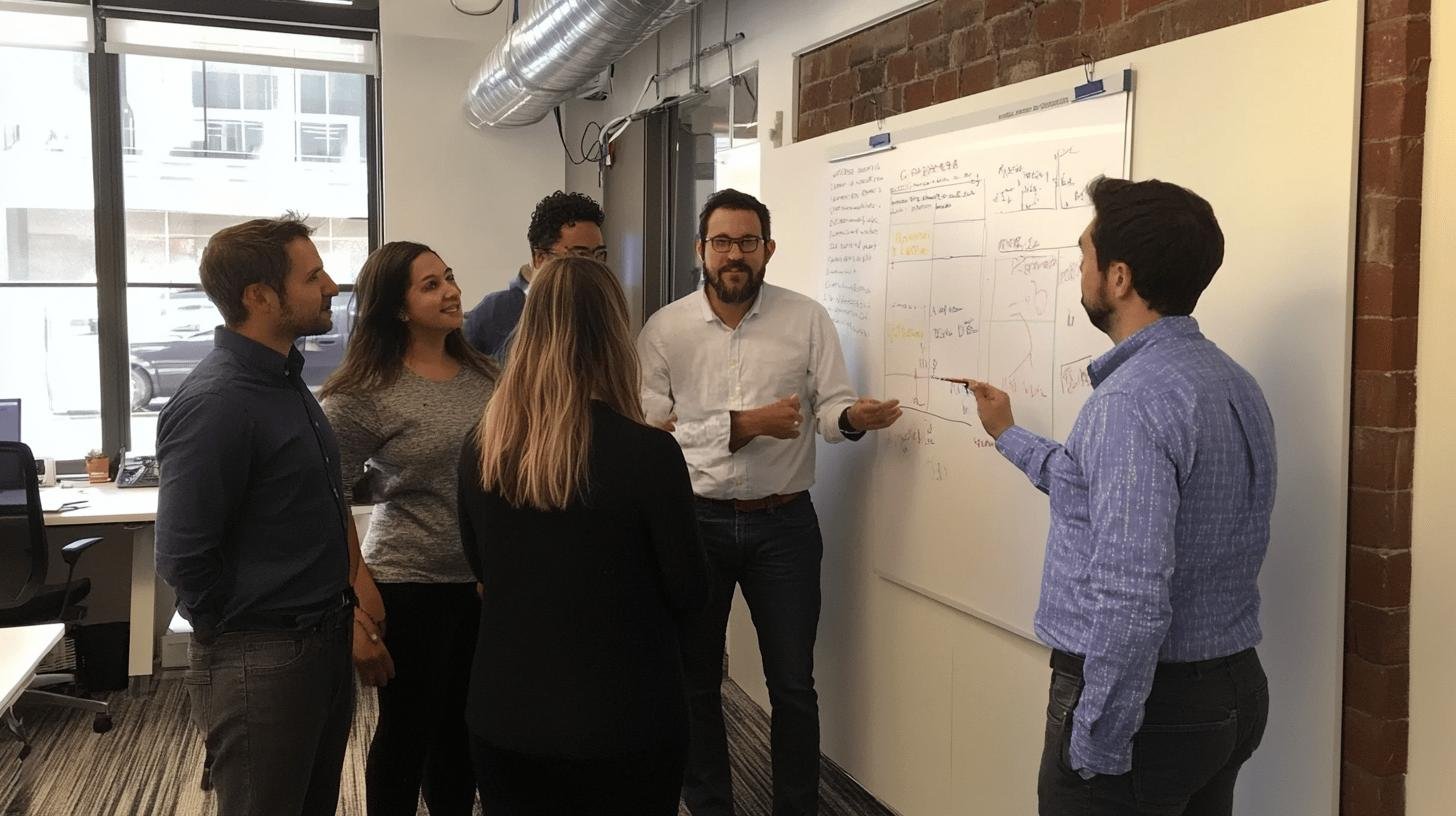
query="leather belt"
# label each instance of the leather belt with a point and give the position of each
(755, 505)
(1072, 664)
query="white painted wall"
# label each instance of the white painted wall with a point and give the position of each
(1431, 786)
(467, 193)
(934, 711)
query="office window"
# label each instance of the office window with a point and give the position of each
(177, 197)
(213, 130)
(48, 313)
(318, 142)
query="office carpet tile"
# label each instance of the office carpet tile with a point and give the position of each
(151, 762)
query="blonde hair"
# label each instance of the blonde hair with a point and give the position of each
(572, 345)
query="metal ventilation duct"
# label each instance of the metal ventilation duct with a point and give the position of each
(559, 47)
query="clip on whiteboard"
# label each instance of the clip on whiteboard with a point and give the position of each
(879, 143)
(1092, 88)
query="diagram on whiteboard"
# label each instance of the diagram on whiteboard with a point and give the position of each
(982, 259)
(956, 255)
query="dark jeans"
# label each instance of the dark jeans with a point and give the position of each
(774, 556)
(421, 741)
(275, 710)
(1200, 724)
(642, 784)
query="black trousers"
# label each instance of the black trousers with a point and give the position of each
(1201, 723)
(275, 709)
(774, 556)
(421, 743)
(639, 784)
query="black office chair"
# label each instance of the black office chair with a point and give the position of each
(25, 597)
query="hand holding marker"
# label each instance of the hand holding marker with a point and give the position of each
(992, 404)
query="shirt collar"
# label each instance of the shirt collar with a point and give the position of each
(257, 356)
(1166, 327)
(520, 281)
(707, 308)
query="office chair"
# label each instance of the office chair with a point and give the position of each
(25, 598)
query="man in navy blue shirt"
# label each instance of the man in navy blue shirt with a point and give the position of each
(1160, 507)
(562, 224)
(254, 535)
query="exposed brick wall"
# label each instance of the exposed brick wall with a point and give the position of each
(1387, 275)
(953, 48)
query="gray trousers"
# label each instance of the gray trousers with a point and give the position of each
(275, 710)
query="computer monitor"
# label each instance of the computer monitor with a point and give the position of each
(9, 420)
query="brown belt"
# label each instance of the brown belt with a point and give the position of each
(752, 505)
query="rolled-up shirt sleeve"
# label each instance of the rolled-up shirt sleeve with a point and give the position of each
(1034, 455)
(203, 445)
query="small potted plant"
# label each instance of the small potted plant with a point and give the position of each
(98, 467)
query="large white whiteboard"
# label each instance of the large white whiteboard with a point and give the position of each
(957, 253)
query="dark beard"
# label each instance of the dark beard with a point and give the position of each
(746, 294)
(305, 325)
(1101, 316)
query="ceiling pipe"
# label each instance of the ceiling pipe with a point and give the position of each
(556, 49)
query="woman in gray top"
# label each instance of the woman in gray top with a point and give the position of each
(409, 390)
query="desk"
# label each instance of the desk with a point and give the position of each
(135, 508)
(22, 648)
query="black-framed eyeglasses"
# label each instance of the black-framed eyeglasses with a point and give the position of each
(722, 244)
(599, 254)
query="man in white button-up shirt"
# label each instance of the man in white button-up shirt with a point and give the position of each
(736, 372)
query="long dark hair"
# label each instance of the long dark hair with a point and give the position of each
(377, 344)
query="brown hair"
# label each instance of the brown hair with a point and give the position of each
(251, 252)
(573, 345)
(377, 343)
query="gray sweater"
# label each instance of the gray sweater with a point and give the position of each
(411, 433)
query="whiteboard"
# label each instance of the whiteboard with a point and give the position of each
(957, 253)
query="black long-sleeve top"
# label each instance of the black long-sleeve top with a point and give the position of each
(578, 649)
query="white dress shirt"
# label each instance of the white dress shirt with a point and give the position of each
(695, 366)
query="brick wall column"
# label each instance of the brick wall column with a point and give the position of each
(1387, 276)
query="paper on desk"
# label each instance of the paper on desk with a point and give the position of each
(56, 500)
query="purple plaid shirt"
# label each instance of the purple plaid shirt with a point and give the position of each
(1160, 506)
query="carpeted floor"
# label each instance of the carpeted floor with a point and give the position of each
(151, 762)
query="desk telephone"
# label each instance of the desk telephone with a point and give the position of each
(139, 471)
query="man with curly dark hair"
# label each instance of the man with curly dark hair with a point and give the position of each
(562, 224)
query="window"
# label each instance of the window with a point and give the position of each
(321, 142)
(213, 130)
(48, 314)
(330, 108)
(177, 197)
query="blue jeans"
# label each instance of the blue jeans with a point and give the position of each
(774, 556)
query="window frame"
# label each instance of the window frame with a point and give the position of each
(108, 120)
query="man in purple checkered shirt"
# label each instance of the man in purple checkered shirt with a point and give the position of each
(1160, 506)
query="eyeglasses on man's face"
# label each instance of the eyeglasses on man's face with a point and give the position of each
(748, 244)
(598, 254)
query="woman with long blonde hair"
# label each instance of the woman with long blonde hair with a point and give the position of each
(577, 518)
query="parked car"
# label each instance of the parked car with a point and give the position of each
(158, 367)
